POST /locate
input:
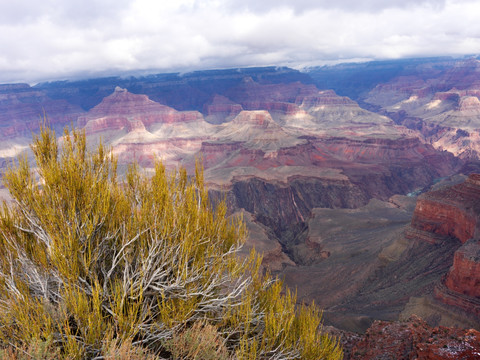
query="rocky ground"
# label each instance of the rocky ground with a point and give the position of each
(408, 340)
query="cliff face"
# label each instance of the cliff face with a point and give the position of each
(464, 277)
(281, 205)
(452, 214)
(461, 286)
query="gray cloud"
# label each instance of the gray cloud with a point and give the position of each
(56, 39)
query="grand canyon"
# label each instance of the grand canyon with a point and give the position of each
(359, 183)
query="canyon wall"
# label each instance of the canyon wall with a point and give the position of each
(450, 217)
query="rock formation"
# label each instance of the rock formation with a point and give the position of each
(123, 109)
(141, 129)
(464, 277)
(444, 106)
(411, 339)
(450, 217)
(221, 109)
(451, 212)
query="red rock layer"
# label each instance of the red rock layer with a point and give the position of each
(257, 119)
(457, 299)
(283, 107)
(375, 150)
(123, 109)
(450, 212)
(465, 275)
(454, 213)
(412, 339)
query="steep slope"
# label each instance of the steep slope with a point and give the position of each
(341, 252)
(140, 129)
(449, 218)
(387, 261)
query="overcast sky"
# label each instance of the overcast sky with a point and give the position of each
(61, 39)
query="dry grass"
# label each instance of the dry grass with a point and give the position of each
(200, 342)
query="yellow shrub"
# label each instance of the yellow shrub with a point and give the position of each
(87, 260)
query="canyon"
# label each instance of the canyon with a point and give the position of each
(356, 181)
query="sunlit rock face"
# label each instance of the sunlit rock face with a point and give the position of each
(444, 105)
(132, 112)
(140, 129)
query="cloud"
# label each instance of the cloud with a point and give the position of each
(56, 39)
(344, 5)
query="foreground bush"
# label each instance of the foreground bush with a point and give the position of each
(101, 268)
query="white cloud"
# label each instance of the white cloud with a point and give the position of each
(56, 39)
(343, 5)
